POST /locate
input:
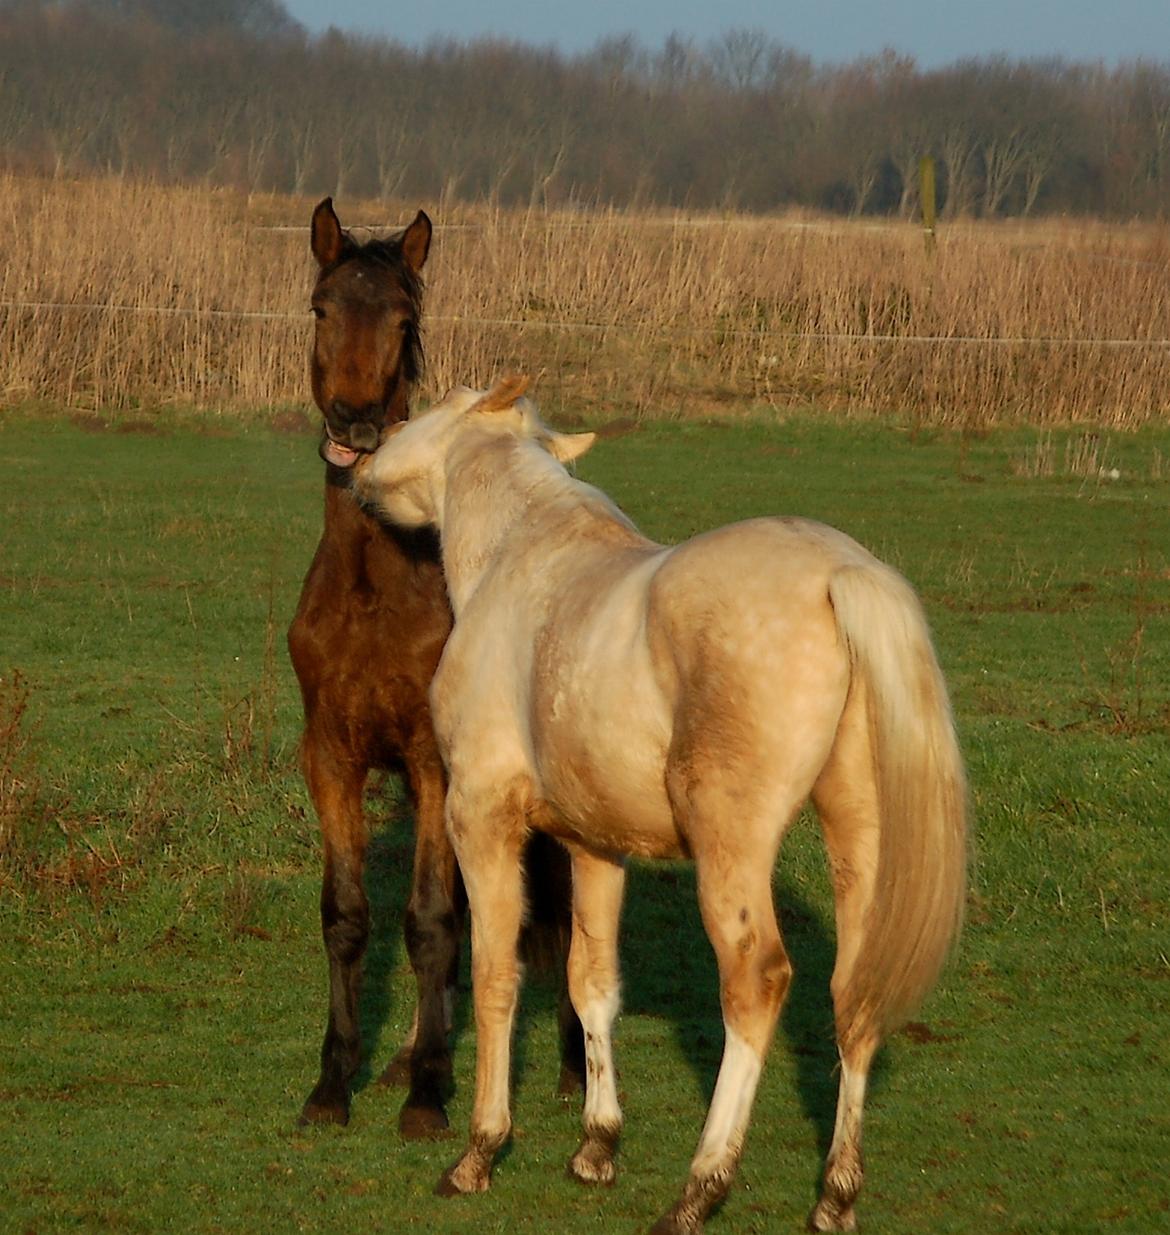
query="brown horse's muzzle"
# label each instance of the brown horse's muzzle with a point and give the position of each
(364, 434)
(350, 431)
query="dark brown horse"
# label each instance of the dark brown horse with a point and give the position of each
(368, 633)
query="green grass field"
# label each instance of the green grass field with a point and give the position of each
(163, 977)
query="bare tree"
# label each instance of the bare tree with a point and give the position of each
(1003, 158)
(262, 18)
(860, 114)
(957, 145)
(300, 143)
(346, 155)
(740, 58)
(229, 91)
(1151, 112)
(261, 129)
(549, 149)
(391, 144)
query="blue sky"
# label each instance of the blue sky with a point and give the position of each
(933, 31)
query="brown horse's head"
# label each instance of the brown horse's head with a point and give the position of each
(367, 350)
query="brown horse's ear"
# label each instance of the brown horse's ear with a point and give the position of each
(328, 238)
(502, 395)
(416, 241)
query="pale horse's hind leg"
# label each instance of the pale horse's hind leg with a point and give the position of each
(846, 798)
(598, 884)
(737, 778)
(735, 898)
(735, 852)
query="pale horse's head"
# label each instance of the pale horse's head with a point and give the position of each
(405, 478)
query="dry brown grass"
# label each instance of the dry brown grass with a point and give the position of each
(1042, 323)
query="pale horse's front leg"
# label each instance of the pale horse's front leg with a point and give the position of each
(487, 830)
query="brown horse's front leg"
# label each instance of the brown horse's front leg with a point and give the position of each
(434, 922)
(336, 790)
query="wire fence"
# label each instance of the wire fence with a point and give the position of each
(659, 332)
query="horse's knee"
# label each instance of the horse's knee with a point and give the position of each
(345, 919)
(431, 934)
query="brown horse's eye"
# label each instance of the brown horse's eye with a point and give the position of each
(318, 312)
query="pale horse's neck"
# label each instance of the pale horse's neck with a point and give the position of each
(499, 489)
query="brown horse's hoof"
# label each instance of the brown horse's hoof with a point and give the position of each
(423, 1123)
(323, 1113)
(446, 1185)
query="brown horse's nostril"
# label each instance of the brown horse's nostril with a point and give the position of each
(363, 435)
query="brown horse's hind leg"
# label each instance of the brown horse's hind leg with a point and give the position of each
(598, 884)
(433, 925)
(545, 944)
(846, 800)
(571, 1080)
(336, 791)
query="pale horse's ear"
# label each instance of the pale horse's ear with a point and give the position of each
(508, 393)
(565, 447)
(502, 395)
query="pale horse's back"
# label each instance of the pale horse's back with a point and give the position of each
(737, 621)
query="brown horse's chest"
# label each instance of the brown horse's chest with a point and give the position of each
(365, 642)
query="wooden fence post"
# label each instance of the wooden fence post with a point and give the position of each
(926, 193)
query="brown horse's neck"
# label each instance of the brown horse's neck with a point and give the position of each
(347, 525)
(348, 528)
(398, 405)
(358, 551)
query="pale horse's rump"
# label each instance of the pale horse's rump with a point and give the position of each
(635, 699)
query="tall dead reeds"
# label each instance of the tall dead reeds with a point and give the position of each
(115, 293)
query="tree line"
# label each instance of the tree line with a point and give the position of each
(235, 92)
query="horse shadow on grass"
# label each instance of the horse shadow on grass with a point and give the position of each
(668, 973)
(388, 990)
(384, 999)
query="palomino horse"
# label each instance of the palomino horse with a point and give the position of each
(367, 635)
(634, 699)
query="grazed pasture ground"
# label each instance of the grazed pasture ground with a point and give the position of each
(162, 970)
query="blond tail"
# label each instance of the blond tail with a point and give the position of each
(916, 913)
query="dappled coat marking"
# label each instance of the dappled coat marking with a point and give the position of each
(631, 698)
